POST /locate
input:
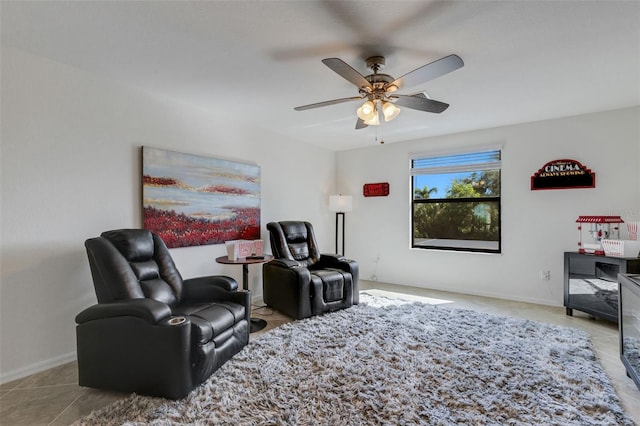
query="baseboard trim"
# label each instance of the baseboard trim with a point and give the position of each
(511, 297)
(37, 367)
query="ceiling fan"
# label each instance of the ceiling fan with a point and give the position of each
(379, 90)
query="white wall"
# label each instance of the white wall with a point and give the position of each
(537, 226)
(71, 169)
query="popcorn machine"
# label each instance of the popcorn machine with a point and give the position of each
(593, 229)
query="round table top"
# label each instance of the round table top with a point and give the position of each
(245, 260)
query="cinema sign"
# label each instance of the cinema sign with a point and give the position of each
(563, 174)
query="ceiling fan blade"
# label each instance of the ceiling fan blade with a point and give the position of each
(360, 124)
(326, 103)
(345, 71)
(420, 103)
(428, 72)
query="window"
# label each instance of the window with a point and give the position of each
(456, 201)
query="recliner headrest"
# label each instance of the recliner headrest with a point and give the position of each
(135, 244)
(294, 232)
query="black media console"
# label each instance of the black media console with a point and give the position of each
(591, 283)
(630, 325)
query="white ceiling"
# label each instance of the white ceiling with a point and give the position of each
(524, 60)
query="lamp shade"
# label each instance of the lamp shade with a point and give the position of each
(390, 111)
(374, 120)
(340, 203)
(367, 111)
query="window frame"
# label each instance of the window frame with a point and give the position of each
(467, 167)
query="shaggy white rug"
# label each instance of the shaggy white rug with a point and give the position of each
(393, 362)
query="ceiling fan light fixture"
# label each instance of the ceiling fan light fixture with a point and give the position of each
(373, 121)
(378, 90)
(366, 111)
(390, 111)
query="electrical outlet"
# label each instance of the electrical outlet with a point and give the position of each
(545, 275)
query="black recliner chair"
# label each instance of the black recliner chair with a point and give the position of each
(300, 281)
(152, 332)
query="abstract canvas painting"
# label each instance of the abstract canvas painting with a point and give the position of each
(192, 200)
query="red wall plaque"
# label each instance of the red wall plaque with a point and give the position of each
(375, 189)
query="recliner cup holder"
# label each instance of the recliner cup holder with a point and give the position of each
(176, 320)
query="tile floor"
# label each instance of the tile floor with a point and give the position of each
(53, 397)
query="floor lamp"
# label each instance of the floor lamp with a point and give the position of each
(340, 204)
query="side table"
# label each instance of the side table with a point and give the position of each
(257, 324)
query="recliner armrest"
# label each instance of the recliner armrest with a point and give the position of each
(216, 287)
(287, 287)
(148, 309)
(204, 283)
(331, 257)
(336, 261)
(287, 270)
(284, 263)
